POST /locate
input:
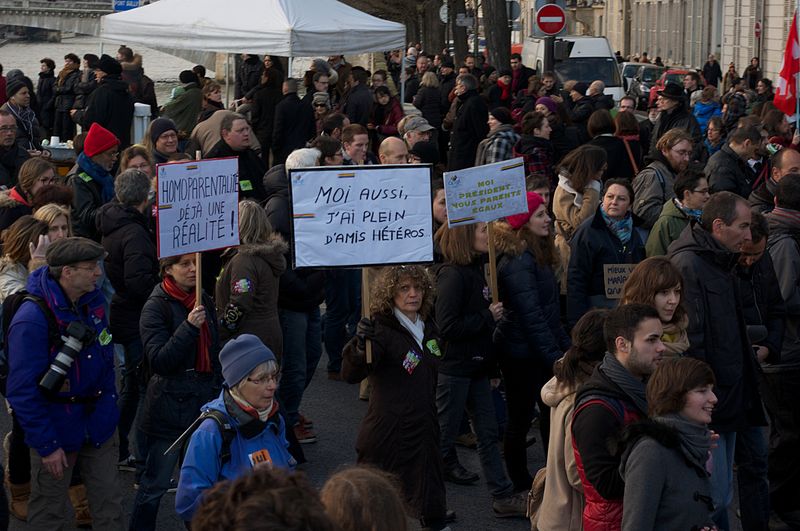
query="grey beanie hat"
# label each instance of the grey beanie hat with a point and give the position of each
(240, 356)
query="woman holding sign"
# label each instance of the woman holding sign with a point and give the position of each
(529, 336)
(603, 249)
(400, 433)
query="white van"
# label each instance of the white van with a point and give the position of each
(581, 58)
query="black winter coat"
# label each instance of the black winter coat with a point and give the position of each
(265, 98)
(87, 198)
(111, 105)
(45, 91)
(66, 92)
(716, 328)
(446, 85)
(300, 290)
(131, 266)
(251, 170)
(358, 105)
(11, 209)
(726, 170)
(294, 126)
(469, 128)
(464, 321)
(619, 163)
(429, 102)
(175, 392)
(762, 303)
(592, 247)
(247, 76)
(10, 161)
(579, 114)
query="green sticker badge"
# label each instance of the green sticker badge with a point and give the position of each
(245, 185)
(104, 337)
(433, 346)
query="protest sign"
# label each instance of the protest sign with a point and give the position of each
(485, 193)
(614, 277)
(197, 206)
(361, 215)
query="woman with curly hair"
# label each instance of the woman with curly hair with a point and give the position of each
(400, 433)
(657, 282)
(362, 497)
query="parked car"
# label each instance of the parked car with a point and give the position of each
(671, 75)
(628, 71)
(643, 80)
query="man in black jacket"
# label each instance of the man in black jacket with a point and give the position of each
(235, 142)
(706, 254)
(110, 105)
(358, 104)
(783, 163)
(712, 72)
(581, 109)
(12, 156)
(132, 268)
(470, 126)
(674, 112)
(294, 123)
(727, 169)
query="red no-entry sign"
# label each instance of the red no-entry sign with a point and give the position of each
(551, 19)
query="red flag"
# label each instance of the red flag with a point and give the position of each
(786, 90)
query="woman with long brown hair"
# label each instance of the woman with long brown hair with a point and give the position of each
(400, 433)
(657, 282)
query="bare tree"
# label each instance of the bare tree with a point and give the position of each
(459, 32)
(498, 34)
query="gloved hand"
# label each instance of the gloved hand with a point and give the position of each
(364, 330)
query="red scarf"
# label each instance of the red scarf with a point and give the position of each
(202, 361)
(506, 90)
(18, 197)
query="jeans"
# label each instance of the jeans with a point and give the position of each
(453, 394)
(342, 301)
(302, 349)
(153, 483)
(47, 508)
(722, 478)
(780, 398)
(131, 392)
(523, 380)
(751, 474)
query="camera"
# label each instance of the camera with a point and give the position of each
(78, 335)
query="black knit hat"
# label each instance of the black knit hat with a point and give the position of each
(502, 115)
(159, 126)
(15, 85)
(109, 65)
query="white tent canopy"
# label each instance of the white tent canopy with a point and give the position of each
(289, 28)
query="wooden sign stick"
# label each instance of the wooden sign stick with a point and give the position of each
(365, 306)
(492, 264)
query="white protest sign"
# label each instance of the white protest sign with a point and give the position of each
(361, 215)
(485, 193)
(198, 206)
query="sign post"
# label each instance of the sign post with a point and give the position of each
(197, 208)
(485, 194)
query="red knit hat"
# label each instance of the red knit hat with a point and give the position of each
(519, 220)
(98, 139)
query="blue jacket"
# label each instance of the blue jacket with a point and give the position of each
(703, 112)
(50, 425)
(202, 466)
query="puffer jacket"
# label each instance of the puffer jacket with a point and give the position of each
(531, 323)
(175, 392)
(727, 171)
(703, 112)
(13, 277)
(498, 146)
(709, 288)
(53, 423)
(202, 465)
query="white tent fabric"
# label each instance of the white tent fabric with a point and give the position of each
(289, 28)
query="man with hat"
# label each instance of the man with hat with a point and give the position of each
(674, 113)
(111, 104)
(414, 129)
(91, 179)
(71, 411)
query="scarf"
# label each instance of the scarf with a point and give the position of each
(633, 388)
(622, 228)
(563, 182)
(695, 438)
(675, 338)
(66, 71)
(99, 175)
(26, 120)
(506, 90)
(202, 361)
(691, 213)
(261, 414)
(415, 328)
(18, 197)
(791, 216)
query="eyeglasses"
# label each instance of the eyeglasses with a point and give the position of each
(140, 167)
(682, 152)
(320, 105)
(266, 379)
(703, 191)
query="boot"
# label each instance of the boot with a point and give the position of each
(19, 500)
(80, 504)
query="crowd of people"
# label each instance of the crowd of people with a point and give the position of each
(647, 315)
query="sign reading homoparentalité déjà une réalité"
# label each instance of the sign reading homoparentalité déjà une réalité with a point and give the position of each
(485, 193)
(197, 206)
(361, 215)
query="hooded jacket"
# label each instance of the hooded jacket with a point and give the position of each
(666, 229)
(247, 292)
(53, 423)
(111, 105)
(202, 465)
(651, 188)
(784, 248)
(703, 112)
(710, 290)
(131, 266)
(300, 290)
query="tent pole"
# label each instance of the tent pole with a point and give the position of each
(227, 80)
(290, 65)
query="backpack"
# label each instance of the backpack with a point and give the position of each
(227, 431)
(9, 307)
